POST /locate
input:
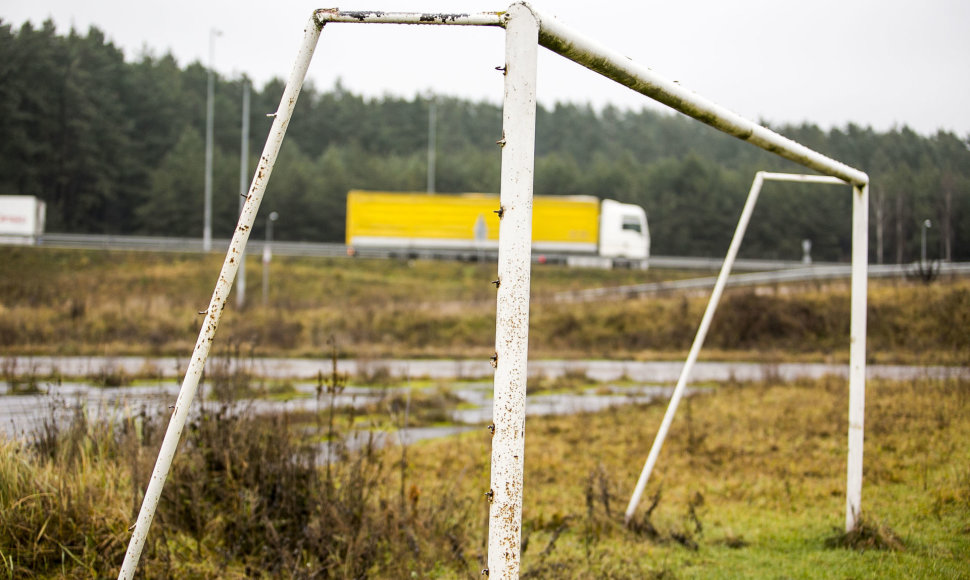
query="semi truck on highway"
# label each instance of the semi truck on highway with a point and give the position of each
(21, 219)
(580, 230)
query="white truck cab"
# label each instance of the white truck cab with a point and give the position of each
(624, 232)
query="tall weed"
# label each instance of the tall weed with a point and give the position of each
(246, 493)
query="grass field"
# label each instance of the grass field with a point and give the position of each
(750, 483)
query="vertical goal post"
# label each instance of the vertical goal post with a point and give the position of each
(512, 294)
(526, 29)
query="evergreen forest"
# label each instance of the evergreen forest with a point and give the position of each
(116, 146)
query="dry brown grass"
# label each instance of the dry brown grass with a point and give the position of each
(750, 484)
(751, 475)
(115, 303)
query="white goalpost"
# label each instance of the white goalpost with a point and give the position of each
(526, 29)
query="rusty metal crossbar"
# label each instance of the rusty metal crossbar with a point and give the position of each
(526, 29)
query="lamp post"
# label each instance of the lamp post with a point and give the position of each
(243, 190)
(432, 140)
(268, 254)
(209, 121)
(922, 249)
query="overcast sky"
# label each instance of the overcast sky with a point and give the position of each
(882, 63)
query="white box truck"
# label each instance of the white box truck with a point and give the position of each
(21, 219)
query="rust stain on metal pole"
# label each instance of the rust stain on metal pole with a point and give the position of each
(512, 293)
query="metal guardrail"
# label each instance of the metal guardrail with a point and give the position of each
(713, 264)
(219, 246)
(332, 250)
(764, 271)
(802, 274)
(190, 245)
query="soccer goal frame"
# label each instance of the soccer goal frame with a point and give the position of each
(526, 29)
(856, 354)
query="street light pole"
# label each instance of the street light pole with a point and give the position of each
(209, 122)
(268, 254)
(243, 191)
(432, 138)
(922, 249)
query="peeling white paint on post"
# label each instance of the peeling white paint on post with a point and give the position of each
(512, 308)
(857, 354)
(218, 301)
(705, 325)
(325, 15)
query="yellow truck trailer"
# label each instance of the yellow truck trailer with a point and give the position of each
(580, 225)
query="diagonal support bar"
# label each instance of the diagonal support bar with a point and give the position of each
(705, 325)
(217, 303)
(696, 346)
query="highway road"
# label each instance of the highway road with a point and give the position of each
(330, 250)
